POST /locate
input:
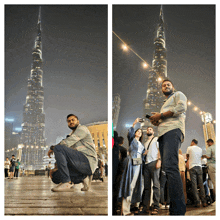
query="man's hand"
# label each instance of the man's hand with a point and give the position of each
(49, 153)
(154, 119)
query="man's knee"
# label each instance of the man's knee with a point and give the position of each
(59, 148)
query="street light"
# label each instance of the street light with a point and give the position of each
(124, 47)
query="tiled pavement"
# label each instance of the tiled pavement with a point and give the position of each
(33, 196)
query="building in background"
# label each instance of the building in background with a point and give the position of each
(154, 96)
(99, 132)
(33, 134)
(115, 110)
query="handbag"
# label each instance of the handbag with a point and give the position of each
(136, 161)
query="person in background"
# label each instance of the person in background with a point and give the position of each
(7, 167)
(17, 164)
(131, 183)
(194, 155)
(12, 166)
(210, 155)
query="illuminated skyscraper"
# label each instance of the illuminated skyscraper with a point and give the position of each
(33, 134)
(154, 97)
(115, 110)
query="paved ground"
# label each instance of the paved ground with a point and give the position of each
(33, 196)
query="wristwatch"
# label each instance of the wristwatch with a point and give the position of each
(162, 116)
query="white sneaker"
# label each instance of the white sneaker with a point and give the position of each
(87, 183)
(63, 187)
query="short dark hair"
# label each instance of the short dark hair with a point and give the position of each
(13, 155)
(150, 127)
(120, 140)
(71, 115)
(165, 80)
(195, 141)
(210, 140)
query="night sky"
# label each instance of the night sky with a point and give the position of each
(74, 51)
(190, 43)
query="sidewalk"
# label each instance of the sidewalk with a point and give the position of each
(33, 196)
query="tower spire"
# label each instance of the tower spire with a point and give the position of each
(154, 96)
(39, 16)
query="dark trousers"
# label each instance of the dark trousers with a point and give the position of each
(6, 172)
(169, 145)
(151, 173)
(16, 172)
(196, 176)
(164, 189)
(72, 165)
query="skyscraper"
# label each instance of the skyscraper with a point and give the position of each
(154, 97)
(33, 134)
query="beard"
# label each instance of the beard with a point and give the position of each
(149, 134)
(168, 93)
(73, 127)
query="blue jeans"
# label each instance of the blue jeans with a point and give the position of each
(163, 187)
(151, 173)
(169, 145)
(72, 165)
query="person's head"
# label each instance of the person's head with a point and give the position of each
(18, 160)
(72, 121)
(120, 140)
(194, 142)
(13, 156)
(180, 152)
(7, 158)
(210, 142)
(139, 134)
(167, 87)
(150, 131)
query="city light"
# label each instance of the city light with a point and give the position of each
(195, 108)
(18, 129)
(128, 125)
(145, 65)
(201, 112)
(189, 103)
(214, 122)
(159, 79)
(124, 47)
(9, 119)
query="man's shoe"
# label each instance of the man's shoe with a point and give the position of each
(197, 204)
(87, 183)
(63, 187)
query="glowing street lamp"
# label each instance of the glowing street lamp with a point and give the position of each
(195, 109)
(159, 79)
(145, 65)
(124, 47)
(189, 103)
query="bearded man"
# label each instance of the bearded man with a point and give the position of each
(76, 158)
(171, 132)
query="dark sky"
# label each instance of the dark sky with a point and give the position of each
(190, 43)
(74, 40)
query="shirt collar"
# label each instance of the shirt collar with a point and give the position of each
(168, 97)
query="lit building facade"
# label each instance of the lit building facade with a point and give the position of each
(115, 110)
(99, 132)
(33, 126)
(154, 96)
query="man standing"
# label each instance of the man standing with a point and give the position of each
(171, 131)
(194, 155)
(12, 166)
(210, 155)
(7, 166)
(76, 158)
(151, 172)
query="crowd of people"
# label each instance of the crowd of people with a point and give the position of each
(11, 168)
(155, 173)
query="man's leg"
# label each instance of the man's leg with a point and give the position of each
(211, 172)
(147, 188)
(201, 186)
(169, 145)
(156, 188)
(193, 177)
(72, 165)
